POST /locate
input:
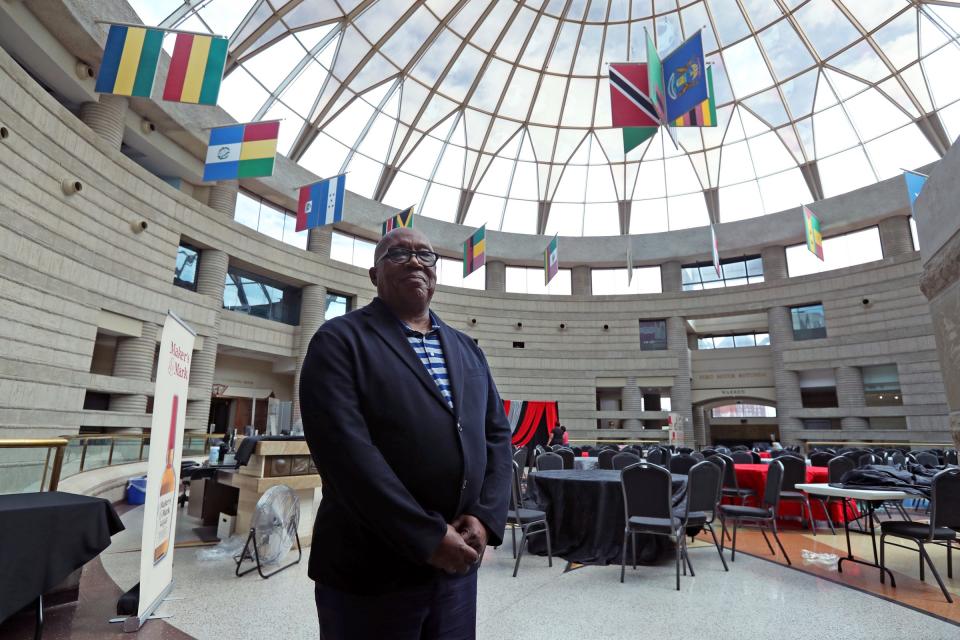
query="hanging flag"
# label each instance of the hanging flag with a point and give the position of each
(321, 203)
(716, 251)
(629, 262)
(684, 77)
(811, 223)
(196, 69)
(241, 151)
(633, 137)
(630, 105)
(551, 261)
(402, 219)
(655, 88)
(475, 251)
(704, 114)
(129, 61)
(915, 182)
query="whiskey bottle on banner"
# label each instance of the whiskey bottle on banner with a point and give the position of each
(168, 492)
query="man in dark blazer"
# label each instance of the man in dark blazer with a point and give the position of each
(410, 438)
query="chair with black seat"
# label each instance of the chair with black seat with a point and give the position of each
(866, 458)
(699, 457)
(605, 459)
(684, 450)
(837, 467)
(756, 457)
(576, 451)
(624, 460)
(549, 462)
(708, 451)
(951, 456)
(941, 530)
(556, 447)
(530, 521)
(821, 459)
(703, 495)
(763, 516)
(742, 457)
(538, 451)
(568, 457)
(927, 459)
(897, 458)
(794, 473)
(731, 488)
(658, 456)
(648, 508)
(520, 456)
(682, 463)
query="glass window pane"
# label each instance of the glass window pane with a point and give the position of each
(723, 342)
(809, 322)
(704, 343)
(744, 341)
(763, 339)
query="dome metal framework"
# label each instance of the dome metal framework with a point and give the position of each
(498, 111)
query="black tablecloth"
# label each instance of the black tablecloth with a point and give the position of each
(585, 514)
(44, 537)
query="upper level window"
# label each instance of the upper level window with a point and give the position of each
(605, 282)
(450, 273)
(653, 335)
(188, 260)
(809, 322)
(530, 280)
(881, 385)
(337, 305)
(734, 341)
(259, 296)
(352, 250)
(913, 234)
(258, 214)
(736, 271)
(847, 250)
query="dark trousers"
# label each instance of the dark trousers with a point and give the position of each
(445, 609)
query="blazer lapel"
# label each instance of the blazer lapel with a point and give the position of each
(451, 354)
(388, 328)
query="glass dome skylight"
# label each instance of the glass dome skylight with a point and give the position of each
(498, 111)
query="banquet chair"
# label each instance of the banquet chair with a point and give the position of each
(530, 521)
(742, 457)
(794, 473)
(605, 459)
(648, 508)
(538, 450)
(837, 467)
(699, 457)
(866, 458)
(520, 457)
(941, 530)
(764, 515)
(731, 488)
(821, 459)
(951, 456)
(927, 459)
(658, 456)
(703, 494)
(756, 457)
(576, 451)
(624, 460)
(897, 458)
(682, 463)
(568, 456)
(549, 462)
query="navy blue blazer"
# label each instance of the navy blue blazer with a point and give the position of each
(397, 463)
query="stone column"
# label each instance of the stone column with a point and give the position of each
(580, 283)
(774, 261)
(680, 395)
(787, 382)
(210, 279)
(134, 360)
(895, 236)
(496, 274)
(106, 117)
(222, 197)
(313, 304)
(671, 277)
(700, 433)
(850, 396)
(632, 400)
(319, 240)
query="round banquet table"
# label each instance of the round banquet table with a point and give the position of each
(754, 476)
(585, 513)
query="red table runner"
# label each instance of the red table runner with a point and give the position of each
(754, 476)
(764, 454)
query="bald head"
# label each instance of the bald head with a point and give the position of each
(406, 286)
(400, 235)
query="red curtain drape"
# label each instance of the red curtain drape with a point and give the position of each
(528, 424)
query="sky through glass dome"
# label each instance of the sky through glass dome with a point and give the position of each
(498, 111)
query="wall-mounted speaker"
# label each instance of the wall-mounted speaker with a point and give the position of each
(139, 226)
(4, 133)
(563, 325)
(519, 325)
(70, 186)
(605, 327)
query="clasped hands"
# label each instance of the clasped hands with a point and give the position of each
(461, 546)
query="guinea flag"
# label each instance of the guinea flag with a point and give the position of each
(196, 69)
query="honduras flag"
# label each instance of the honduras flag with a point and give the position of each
(685, 78)
(321, 203)
(915, 182)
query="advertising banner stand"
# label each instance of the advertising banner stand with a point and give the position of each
(163, 468)
(675, 425)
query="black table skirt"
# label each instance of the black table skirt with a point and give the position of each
(585, 514)
(44, 537)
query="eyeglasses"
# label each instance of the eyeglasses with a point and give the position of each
(399, 255)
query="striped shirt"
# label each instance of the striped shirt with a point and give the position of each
(428, 349)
